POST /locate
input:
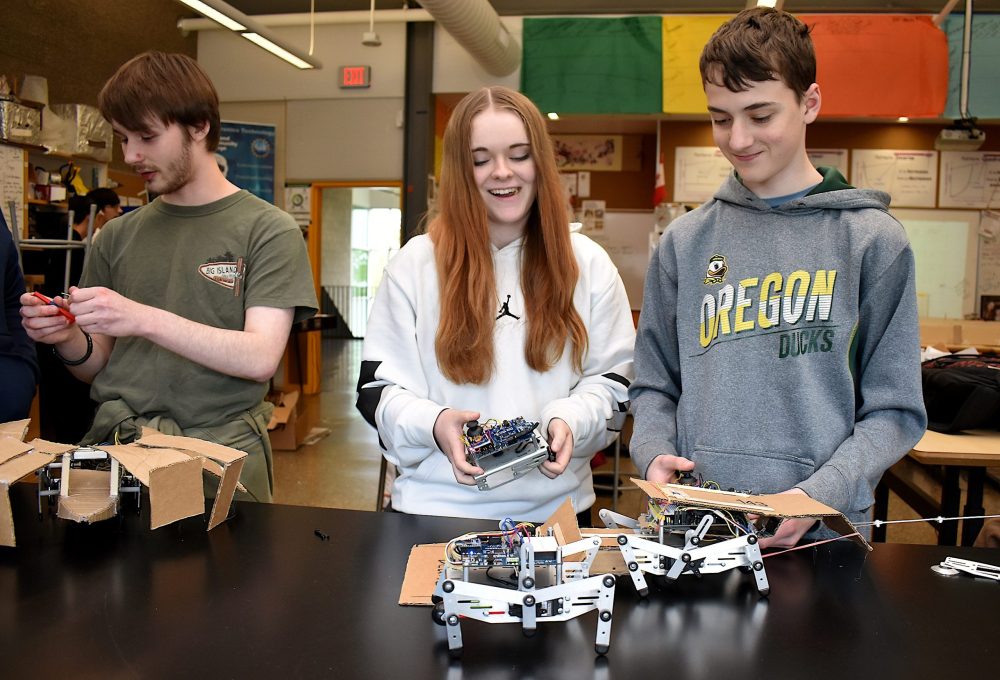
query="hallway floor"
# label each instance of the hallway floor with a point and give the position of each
(341, 470)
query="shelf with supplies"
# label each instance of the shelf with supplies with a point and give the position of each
(38, 223)
(63, 170)
(39, 183)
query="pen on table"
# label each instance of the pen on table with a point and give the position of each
(49, 301)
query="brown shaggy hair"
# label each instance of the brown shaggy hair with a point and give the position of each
(171, 88)
(460, 231)
(760, 44)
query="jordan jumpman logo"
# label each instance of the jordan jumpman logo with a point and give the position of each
(505, 310)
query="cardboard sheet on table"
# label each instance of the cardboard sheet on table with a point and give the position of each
(564, 528)
(423, 567)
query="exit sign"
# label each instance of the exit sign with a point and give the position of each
(355, 76)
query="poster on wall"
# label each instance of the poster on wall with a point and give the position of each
(970, 179)
(699, 171)
(12, 168)
(246, 157)
(298, 204)
(588, 152)
(593, 216)
(910, 177)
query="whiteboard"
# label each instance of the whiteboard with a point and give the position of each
(12, 183)
(626, 239)
(945, 245)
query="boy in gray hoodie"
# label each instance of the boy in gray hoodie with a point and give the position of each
(778, 347)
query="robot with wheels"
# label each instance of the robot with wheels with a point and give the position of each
(549, 587)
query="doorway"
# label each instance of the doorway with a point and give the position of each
(357, 228)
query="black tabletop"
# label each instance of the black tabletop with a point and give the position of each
(264, 596)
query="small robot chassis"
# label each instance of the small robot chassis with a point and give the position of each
(505, 450)
(549, 587)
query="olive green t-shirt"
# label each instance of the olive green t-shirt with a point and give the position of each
(208, 264)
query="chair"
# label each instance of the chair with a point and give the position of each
(383, 476)
(615, 486)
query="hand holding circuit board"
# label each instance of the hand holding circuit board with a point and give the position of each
(504, 450)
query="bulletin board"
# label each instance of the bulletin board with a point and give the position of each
(945, 246)
(626, 239)
(12, 168)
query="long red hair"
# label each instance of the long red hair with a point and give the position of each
(460, 231)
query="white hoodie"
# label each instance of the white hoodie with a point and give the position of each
(402, 391)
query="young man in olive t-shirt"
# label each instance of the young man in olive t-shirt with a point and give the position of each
(185, 306)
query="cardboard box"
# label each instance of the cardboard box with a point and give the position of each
(169, 466)
(288, 425)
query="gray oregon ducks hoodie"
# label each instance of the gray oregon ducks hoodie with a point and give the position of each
(779, 347)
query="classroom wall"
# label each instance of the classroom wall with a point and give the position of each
(77, 46)
(819, 135)
(328, 133)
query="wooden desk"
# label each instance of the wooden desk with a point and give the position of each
(972, 451)
(263, 596)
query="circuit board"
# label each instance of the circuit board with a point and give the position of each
(496, 436)
(486, 550)
(504, 450)
(494, 550)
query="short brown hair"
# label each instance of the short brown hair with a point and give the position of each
(170, 87)
(760, 44)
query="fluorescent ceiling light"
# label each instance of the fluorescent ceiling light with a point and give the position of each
(235, 20)
(276, 50)
(214, 14)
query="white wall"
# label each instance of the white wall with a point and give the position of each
(345, 140)
(242, 71)
(325, 133)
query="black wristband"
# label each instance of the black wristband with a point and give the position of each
(86, 355)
